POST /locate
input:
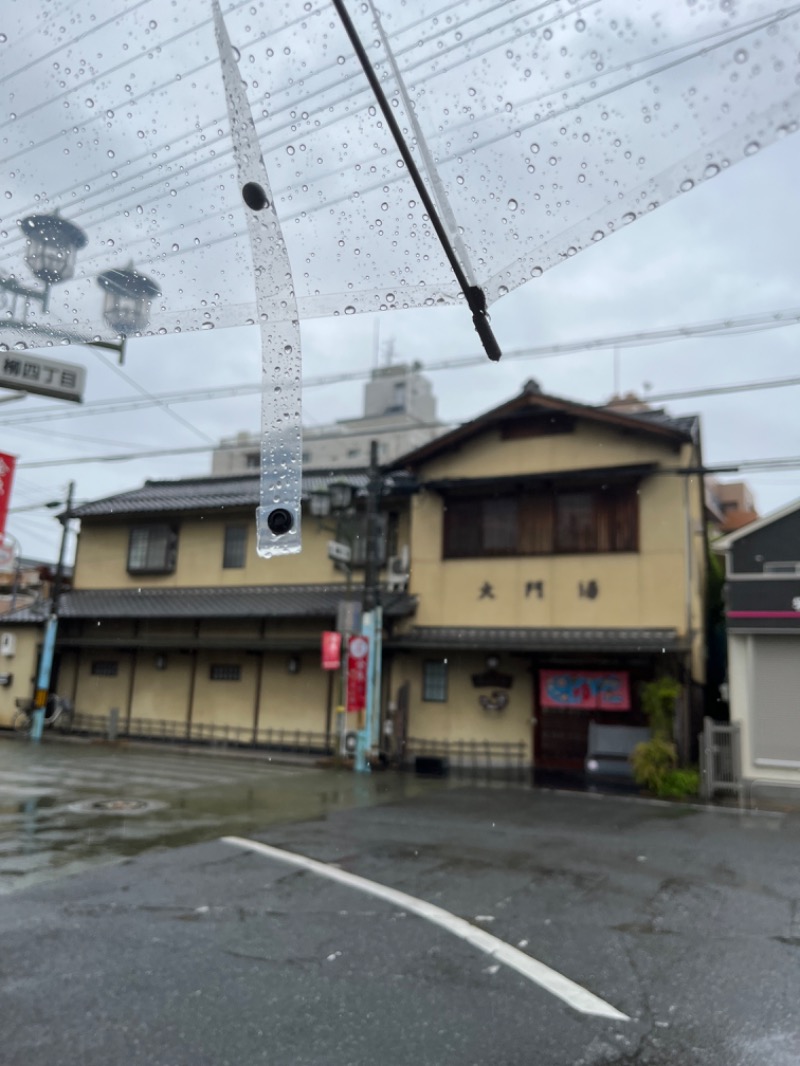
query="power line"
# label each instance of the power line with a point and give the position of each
(151, 398)
(200, 449)
(35, 507)
(765, 465)
(455, 153)
(731, 326)
(48, 432)
(743, 29)
(170, 144)
(722, 390)
(784, 462)
(69, 43)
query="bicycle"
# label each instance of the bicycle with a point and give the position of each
(58, 711)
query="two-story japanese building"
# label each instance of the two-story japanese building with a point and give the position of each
(556, 560)
(178, 624)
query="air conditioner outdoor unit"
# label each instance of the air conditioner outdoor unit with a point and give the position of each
(397, 570)
(8, 644)
(349, 742)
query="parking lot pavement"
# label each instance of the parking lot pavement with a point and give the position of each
(687, 921)
(52, 796)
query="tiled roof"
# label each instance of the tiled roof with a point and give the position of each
(527, 639)
(34, 612)
(251, 601)
(216, 493)
(534, 403)
(687, 424)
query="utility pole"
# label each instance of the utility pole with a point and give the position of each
(373, 532)
(51, 629)
(372, 619)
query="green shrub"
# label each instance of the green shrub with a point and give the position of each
(680, 783)
(658, 703)
(653, 761)
(655, 767)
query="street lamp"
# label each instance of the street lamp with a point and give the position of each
(52, 244)
(337, 499)
(341, 495)
(127, 301)
(334, 498)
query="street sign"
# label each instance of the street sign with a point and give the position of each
(42, 375)
(340, 553)
(357, 662)
(331, 650)
(348, 616)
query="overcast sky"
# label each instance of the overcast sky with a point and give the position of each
(726, 248)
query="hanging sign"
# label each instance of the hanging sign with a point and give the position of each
(43, 376)
(357, 664)
(589, 690)
(7, 464)
(331, 650)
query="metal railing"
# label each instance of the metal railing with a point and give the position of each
(481, 759)
(212, 734)
(721, 759)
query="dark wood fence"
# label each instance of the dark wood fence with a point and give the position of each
(296, 741)
(480, 759)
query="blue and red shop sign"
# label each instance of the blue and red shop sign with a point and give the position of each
(588, 690)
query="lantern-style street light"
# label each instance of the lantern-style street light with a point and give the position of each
(127, 300)
(52, 246)
(335, 498)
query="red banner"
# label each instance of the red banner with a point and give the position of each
(331, 650)
(589, 690)
(357, 664)
(7, 464)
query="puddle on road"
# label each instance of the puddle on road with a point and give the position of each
(42, 836)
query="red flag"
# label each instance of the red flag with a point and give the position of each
(357, 663)
(331, 650)
(7, 464)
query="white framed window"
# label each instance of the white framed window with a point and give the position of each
(779, 567)
(152, 549)
(234, 552)
(434, 681)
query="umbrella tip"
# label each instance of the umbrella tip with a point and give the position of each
(488, 339)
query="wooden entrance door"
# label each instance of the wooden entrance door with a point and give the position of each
(561, 738)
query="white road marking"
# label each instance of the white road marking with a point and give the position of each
(574, 995)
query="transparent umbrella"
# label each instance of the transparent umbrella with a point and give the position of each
(236, 167)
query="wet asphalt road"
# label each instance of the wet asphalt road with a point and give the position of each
(196, 796)
(686, 920)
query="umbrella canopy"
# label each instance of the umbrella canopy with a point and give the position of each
(539, 128)
(549, 125)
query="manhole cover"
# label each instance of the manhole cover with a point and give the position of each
(116, 806)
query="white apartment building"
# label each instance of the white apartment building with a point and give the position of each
(399, 412)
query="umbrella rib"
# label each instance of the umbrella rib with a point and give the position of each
(474, 294)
